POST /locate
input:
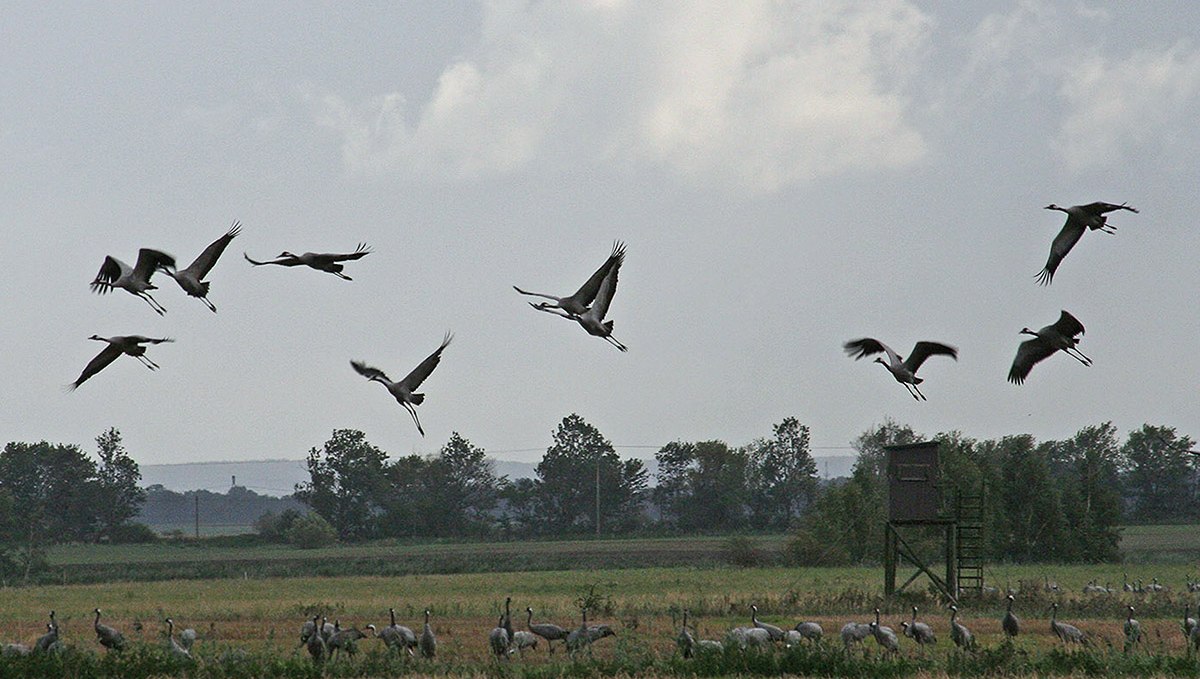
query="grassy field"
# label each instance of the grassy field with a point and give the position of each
(263, 616)
(1161, 543)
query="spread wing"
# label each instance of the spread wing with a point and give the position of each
(139, 339)
(1029, 353)
(281, 261)
(374, 374)
(204, 263)
(586, 294)
(604, 296)
(1068, 326)
(1099, 208)
(149, 261)
(923, 350)
(110, 271)
(418, 375)
(868, 346)
(100, 362)
(362, 251)
(1063, 242)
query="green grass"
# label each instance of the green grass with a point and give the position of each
(1161, 543)
(262, 617)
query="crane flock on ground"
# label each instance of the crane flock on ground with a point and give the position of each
(325, 641)
(588, 306)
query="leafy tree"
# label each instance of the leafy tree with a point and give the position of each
(704, 485)
(1087, 467)
(461, 483)
(567, 481)
(1032, 522)
(346, 484)
(118, 495)
(311, 531)
(785, 475)
(1159, 473)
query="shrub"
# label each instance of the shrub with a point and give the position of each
(274, 527)
(744, 552)
(311, 531)
(132, 534)
(804, 549)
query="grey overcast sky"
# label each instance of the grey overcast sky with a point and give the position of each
(787, 176)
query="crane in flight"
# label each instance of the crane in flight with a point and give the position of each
(404, 390)
(135, 280)
(592, 320)
(904, 370)
(327, 262)
(117, 345)
(1058, 336)
(577, 304)
(192, 280)
(1080, 218)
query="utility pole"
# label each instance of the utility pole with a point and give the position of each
(597, 494)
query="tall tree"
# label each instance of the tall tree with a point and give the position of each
(785, 475)
(567, 485)
(347, 483)
(461, 482)
(119, 497)
(1032, 523)
(1159, 473)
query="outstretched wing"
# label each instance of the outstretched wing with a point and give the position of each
(418, 375)
(204, 263)
(868, 346)
(1099, 208)
(1029, 353)
(139, 339)
(281, 261)
(1068, 326)
(368, 372)
(100, 362)
(1063, 242)
(923, 350)
(362, 251)
(110, 271)
(604, 296)
(586, 294)
(149, 261)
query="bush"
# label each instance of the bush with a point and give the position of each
(744, 552)
(311, 531)
(804, 549)
(274, 527)
(132, 534)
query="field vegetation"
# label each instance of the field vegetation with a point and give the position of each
(250, 627)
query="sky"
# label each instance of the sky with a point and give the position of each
(786, 175)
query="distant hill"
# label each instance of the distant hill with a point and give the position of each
(279, 477)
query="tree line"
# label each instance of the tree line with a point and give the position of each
(1045, 500)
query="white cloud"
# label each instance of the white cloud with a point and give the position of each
(1118, 105)
(753, 95)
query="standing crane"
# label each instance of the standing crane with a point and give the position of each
(1068, 634)
(427, 643)
(685, 641)
(1059, 336)
(959, 634)
(404, 391)
(498, 639)
(1011, 624)
(577, 304)
(918, 631)
(398, 636)
(885, 636)
(1132, 629)
(192, 280)
(135, 280)
(109, 637)
(774, 632)
(117, 345)
(548, 631)
(173, 646)
(323, 261)
(316, 642)
(904, 370)
(1080, 218)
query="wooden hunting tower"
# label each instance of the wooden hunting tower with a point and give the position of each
(915, 498)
